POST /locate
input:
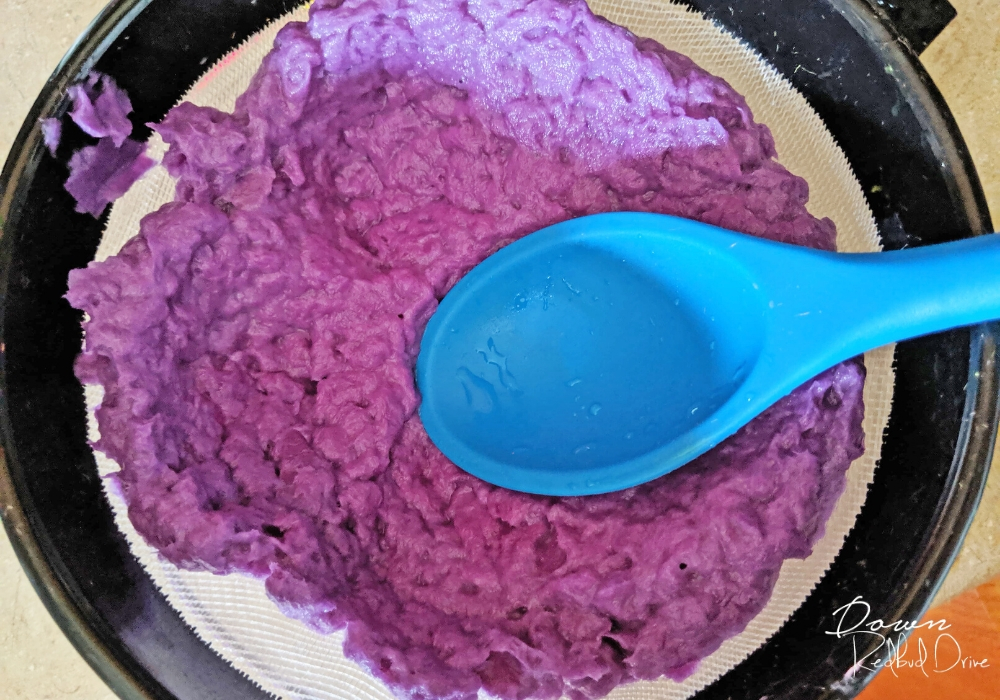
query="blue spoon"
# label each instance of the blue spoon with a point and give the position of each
(605, 351)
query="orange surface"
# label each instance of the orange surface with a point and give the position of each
(967, 665)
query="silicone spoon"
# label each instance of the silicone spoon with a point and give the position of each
(605, 351)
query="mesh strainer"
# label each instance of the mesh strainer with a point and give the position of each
(233, 613)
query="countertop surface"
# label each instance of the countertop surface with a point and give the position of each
(38, 663)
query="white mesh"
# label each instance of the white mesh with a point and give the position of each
(233, 613)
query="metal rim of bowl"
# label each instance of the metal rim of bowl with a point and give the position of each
(948, 527)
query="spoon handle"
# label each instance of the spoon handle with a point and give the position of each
(932, 288)
(835, 306)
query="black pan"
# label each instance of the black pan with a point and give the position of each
(865, 81)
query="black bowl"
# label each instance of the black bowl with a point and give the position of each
(854, 68)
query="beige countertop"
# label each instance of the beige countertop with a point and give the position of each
(38, 663)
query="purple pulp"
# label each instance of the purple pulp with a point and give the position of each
(101, 108)
(101, 173)
(256, 344)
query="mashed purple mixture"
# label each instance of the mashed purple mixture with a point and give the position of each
(256, 344)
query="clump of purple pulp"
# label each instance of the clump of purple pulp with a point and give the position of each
(256, 344)
(101, 108)
(101, 173)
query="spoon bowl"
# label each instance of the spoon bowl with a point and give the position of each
(605, 351)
